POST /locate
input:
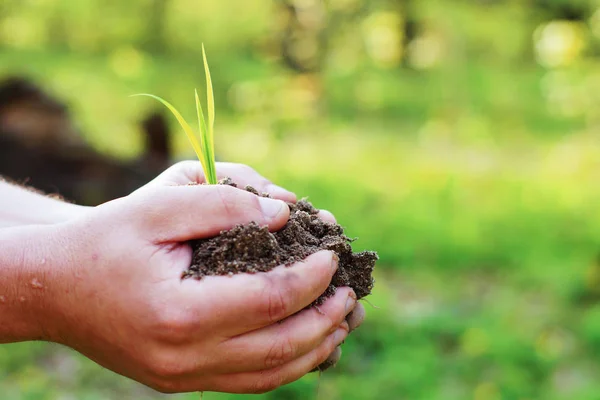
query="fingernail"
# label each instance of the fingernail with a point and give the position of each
(345, 326)
(339, 336)
(335, 261)
(271, 208)
(350, 302)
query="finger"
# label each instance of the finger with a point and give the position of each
(331, 361)
(327, 216)
(186, 172)
(266, 381)
(244, 175)
(247, 302)
(279, 344)
(182, 173)
(181, 213)
(356, 317)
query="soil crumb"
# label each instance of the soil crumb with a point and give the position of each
(252, 248)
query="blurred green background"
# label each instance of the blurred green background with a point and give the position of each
(458, 138)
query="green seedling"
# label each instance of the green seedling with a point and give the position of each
(205, 147)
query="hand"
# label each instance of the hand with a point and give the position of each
(117, 296)
(187, 172)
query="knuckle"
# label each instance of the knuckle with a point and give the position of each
(332, 315)
(330, 322)
(278, 304)
(281, 352)
(267, 383)
(253, 203)
(166, 367)
(227, 200)
(235, 203)
(174, 326)
(165, 386)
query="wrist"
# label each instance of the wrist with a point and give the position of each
(21, 206)
(30, 269)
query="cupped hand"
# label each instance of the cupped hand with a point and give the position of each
(119, 298)
(187, 172)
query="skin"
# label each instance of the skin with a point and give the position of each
(106, 281)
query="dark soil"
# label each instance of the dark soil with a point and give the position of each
(251, 248)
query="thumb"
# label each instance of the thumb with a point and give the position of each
(181, 213)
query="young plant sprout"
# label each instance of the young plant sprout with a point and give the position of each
(205, 147)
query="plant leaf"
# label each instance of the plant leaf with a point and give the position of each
(187, 129)
(205, 148)
(210, 171)
(210, 103)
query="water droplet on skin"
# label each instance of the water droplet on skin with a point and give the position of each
(43, 261)
(36, 284)
(22, 299)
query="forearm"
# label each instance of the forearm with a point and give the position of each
(27, 273)
(20, 206)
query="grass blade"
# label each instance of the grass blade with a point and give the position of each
(205, 148)
(210, 171)
(187, 129)
(210, 104)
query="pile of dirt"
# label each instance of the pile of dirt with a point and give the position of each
(251, 248)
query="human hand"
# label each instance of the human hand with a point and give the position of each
(187, 172)
(117, 296)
